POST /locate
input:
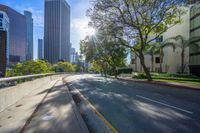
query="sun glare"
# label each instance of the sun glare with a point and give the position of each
(90, 31)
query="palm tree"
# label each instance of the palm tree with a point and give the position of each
(181, 42)
(152, 50)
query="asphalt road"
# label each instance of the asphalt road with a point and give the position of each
(141, 108)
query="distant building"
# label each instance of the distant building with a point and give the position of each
(194, 32)
(40, 49)
(73, 56)
(4, 26)
(17, 35)
(29, 35)
(57, 31)
(3, 45)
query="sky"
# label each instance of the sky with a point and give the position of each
(79, 21)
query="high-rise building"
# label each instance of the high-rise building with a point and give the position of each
(73, 56)
(195, 32)
(40, 49)
(3, 45)
(29, 35)
(17, 35)
(4, 26)
(193, 1)
(57, 31)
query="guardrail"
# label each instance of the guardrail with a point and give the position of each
(12, 81)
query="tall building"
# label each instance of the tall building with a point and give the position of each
(57, 31)
(17, 35)
(40, 49)
(3, 45)
(4, 26)
(195, 32)
(29, 35)
(193, 1)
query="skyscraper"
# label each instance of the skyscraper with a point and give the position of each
(29, 35)
(57, 31)
(3, 44)
(40, 49)
(4, 26)
(17, 35)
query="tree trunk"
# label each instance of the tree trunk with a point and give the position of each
(182, 60)
(136, 63)
(149, 78)
(152, 62)
(161, 59)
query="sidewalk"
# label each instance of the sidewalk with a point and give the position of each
(56, 114)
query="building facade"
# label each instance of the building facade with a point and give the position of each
(4, 26)
(195, 32)
(171, 59)
(57, 31)
(40, 49)
(17, 35)
(29, 35)
(3, 45)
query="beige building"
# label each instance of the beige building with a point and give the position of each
(171, 59)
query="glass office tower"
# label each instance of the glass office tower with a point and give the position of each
(29, 35)
(17, 35)
(40, 49)
(57, 31)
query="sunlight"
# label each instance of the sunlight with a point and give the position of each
(90, 31)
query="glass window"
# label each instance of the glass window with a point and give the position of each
(1, 23)
(157, 60)
(1, 15)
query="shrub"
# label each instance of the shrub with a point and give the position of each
(139, 76)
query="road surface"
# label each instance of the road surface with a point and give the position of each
(141, 108)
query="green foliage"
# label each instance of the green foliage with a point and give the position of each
(63, 67)
(139, 76)
(104, 52)
(133, 22)
(28, 67)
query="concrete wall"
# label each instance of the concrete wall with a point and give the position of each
(11, 95)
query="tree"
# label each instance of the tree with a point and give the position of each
(29, 67)
(134, 21)
(182, 43)
(102, 50)
(152, 50)
(63, 66)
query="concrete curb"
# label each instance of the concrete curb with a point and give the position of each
(160, 83)
(95, 120)
(76, 112)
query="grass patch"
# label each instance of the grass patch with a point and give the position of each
(179, 78)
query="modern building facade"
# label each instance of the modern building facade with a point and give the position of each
(4, 26)
(17, 35)
(57, 31)
(195, 32)
(3, 45)
(171, 59)
(29, 35)
(40, 49)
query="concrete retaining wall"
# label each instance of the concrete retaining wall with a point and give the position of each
(11, 95)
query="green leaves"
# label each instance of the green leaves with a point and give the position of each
(29, 67)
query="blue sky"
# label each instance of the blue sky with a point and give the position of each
(79, 21)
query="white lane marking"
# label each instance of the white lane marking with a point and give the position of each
(183, 110)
